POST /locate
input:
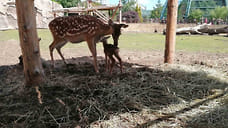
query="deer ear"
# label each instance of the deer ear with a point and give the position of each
(104, 38)
(110, 22)
(124, 25)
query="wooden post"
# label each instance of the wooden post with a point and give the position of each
(29, 43)
(120, 6)
(171, 31)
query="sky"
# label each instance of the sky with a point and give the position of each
(148, 3)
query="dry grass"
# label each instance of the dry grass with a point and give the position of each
(76, 96)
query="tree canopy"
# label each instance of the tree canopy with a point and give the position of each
(128, 5)
(130, 17)
(195, 15)
(156, 12)
(139, 11)
(219, 13)
(68, 3)
(204, 4)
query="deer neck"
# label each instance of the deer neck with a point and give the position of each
(107, 31)
(105, 44)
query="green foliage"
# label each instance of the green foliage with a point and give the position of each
(195, 15)
(182, 9)
(219, 13)
(138, 10)
(208, 4)
(204, 6)
(68, 3)
(128, 5)
(156, 12)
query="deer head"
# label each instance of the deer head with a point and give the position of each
(116, 31)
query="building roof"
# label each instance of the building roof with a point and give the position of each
(83, 9)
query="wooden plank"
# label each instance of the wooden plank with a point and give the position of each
(171, 31)
(113, 15)
(82, 9)
(29, 43)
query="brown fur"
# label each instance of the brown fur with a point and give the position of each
(76, 29)
(111, 51)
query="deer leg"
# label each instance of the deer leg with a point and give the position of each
(106, 63)
(51, 48)
(56, 44)
(92, 48)
(58, 48)
(61, 55)
(109, 64)
(116, 54)
(112, 64)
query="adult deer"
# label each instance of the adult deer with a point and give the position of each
(76, 29)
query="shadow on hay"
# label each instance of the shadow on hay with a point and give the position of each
(211, 119)
(75, 95)
(216, 118)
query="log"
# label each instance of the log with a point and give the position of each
(33, 70)
(223, 30)
(199, 29)
(202, 29)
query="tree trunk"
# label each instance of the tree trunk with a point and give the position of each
(223, 30)
(171, 31)
(199, 29)
(29, 43)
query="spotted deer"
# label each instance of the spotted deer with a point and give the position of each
(76, 29)
(110, 51)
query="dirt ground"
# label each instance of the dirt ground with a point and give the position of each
(10, 51)
(75, 96)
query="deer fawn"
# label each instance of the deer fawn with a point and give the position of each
(76, 29)
(110, 51)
